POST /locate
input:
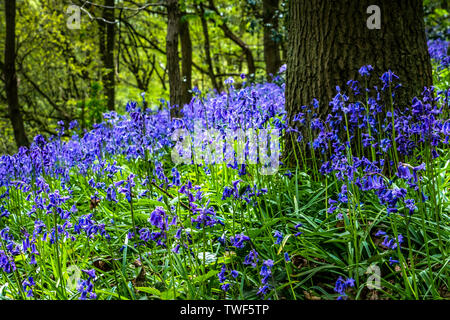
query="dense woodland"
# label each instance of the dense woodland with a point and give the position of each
(118, 54)
(125, 48)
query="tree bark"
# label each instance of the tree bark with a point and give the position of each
(11, 89)
(329, 41)
(186, 61)
(173, 66)
(206, 45)
(108, 61)
(271, 45)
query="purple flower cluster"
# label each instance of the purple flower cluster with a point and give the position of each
(86, 287)
(251, 258)
(278, 237)
(238, 241)
(438, 52)
(48, 174)
(342, 285)
(224, 277)
(28, 285)
(266, 273)
(378, 126)
(7, 262)
(388, 242)
(158, 219)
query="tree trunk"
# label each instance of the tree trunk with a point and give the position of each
(329, 41)
(108, 62)
(11, 89)
(207, 48)
(186, 61)
(271, 47)
(173, 66)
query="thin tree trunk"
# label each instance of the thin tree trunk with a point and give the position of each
(271, 45)
(172, 57)
(186, 61)
(207, 48)
(109, 79)
(101, 38)
(11, 89)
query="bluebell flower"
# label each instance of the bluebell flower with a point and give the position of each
(391, 243)
(145, 234)
(28, 285)
(157, 218)
(266, 270)
(263, 290)
(410, 204)
(7, 263)
(288, 174)
(342, 285)
(286, 257)
(342, 197)
(111, 194)
(176, 249)
(251, 258)
(380, 233)
(90, 273)
(278, 236)
(225, 287)
(365, 70)
(176, 181)
(392, 261)
(239, 240)
(221, 274)
(387, 78)
(332, 206)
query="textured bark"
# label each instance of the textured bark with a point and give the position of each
(109, 75)
(329, 41)
(11, 89)
(271, 46)
(173, 66)
(186, 61)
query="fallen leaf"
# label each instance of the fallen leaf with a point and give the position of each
(103, 264)
(137, 263)
(93, 203)
(140, 279)
(299, 261)
(310, 296)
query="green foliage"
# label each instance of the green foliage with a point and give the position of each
(95, 105)
(57, 66)
(437, 18)
(59, 77)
